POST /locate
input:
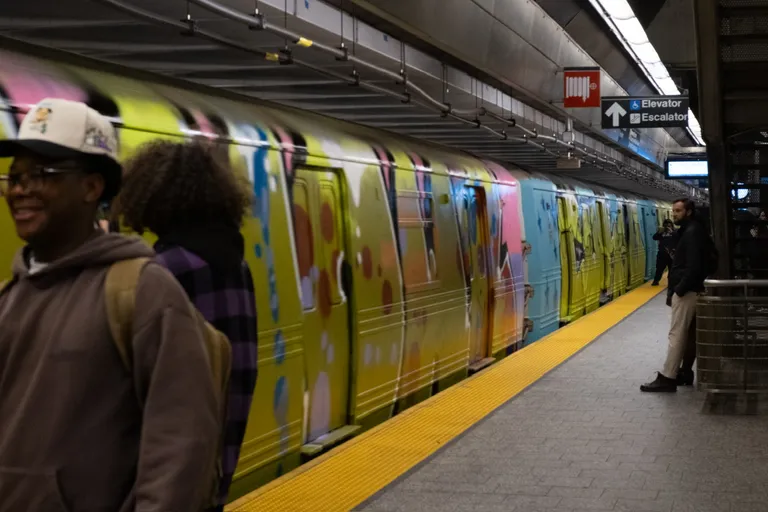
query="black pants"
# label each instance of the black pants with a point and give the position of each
(663, 262)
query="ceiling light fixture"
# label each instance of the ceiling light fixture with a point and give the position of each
(623, 22)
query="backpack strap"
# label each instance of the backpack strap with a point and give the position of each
(120, 295)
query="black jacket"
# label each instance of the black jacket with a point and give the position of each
(667, 241)
(688, 270)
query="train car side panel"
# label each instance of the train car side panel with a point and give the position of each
(506, 233)
(540, 216)
(591, 265)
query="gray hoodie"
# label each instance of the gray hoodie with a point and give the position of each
(73, 437)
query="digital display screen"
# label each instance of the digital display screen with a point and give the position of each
(686, 168)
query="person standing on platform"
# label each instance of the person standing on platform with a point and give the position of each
(667, 239)
(194, 203)
(686, 280)
(78, 430)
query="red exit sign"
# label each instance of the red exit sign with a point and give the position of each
(581, 87)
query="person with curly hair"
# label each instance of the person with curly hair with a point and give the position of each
(195, 205)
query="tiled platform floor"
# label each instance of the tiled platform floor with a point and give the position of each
(584, 438)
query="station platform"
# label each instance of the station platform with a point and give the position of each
(558, 426)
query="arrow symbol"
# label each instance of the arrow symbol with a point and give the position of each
(617, 112)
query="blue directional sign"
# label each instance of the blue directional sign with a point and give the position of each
(644, 112)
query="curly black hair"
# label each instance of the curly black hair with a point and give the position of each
(170, 184)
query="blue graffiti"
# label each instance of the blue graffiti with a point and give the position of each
(280, 401)
(538, 222)
(280, 409)
(279, 347)
(261, 210)
(257, 250)
(472, 214)
(306, 4)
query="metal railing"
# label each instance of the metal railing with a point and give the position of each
(732, 336)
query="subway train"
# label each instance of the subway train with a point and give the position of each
(386, 268)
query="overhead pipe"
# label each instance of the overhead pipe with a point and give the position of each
(275, 57)
(444, 109)
(260, 23)
(510, 122)
(504, 136)
(136, 11)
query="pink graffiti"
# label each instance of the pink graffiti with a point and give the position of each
(26, 85)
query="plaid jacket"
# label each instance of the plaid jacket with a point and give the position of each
(227, 302)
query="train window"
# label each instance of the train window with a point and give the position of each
(331, 229)
(415, 217)
(305, 244)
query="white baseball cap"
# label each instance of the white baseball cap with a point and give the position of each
(62, 130)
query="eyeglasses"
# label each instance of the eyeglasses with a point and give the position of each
(33, 179)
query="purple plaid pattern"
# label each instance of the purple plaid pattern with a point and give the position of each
(227, 302)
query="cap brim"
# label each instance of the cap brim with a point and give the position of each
(10, 148)
(107, 167)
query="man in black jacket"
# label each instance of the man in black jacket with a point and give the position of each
(667, 238)
(686, 281)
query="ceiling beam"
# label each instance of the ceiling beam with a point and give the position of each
(9, 24)
(180, 68)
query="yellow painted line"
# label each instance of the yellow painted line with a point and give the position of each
(356, 470)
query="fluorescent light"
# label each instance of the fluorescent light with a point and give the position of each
(622, 20)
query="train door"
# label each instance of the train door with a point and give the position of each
(588, 265)
(566, 257)
(620, 258)
(475, 227)
(650, 244)
(321, 249)
(629, 246)
(606, 248)
(637, 248)
(644, 229)
(597, 231)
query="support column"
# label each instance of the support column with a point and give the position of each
(707, 23)
(720, 207)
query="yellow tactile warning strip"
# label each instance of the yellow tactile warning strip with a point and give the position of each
(351, 473)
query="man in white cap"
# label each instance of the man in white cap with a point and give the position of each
(80, 430)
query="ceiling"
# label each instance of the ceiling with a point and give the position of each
(668, 25)
(360, 83)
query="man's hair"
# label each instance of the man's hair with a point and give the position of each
(688, 204)
(667, 222)
(170, 184)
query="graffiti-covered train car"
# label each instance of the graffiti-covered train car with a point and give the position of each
(385, 268)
